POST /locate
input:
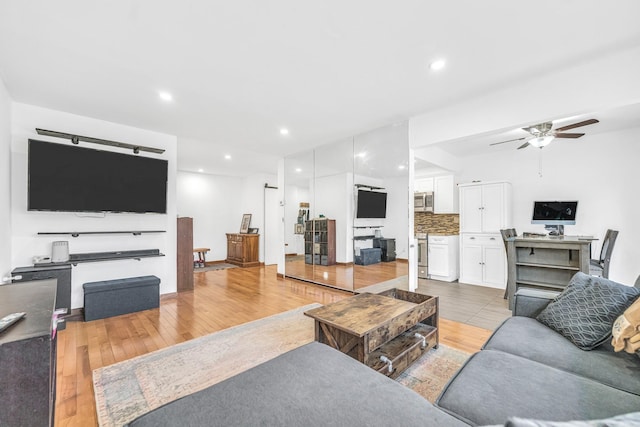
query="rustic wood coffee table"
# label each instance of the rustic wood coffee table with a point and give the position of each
(386, 331)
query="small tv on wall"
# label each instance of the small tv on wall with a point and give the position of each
(68, 178)
(371, 204)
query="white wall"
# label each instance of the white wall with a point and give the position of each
(216, 203)
(600, 171)
(25, 225)
(5, 182)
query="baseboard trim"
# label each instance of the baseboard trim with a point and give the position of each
(169, 295)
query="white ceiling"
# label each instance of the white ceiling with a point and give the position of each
(609, 120)
(241, 70)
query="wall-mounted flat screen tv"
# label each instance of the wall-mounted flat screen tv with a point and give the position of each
(371, 204)
(554, 213)
(68, 178)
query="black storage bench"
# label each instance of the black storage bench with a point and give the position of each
(120, 296)
(368, 256)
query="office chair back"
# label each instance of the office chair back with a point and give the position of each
(607, 248)
(507, 233)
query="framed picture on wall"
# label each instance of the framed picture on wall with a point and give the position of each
(246, 221)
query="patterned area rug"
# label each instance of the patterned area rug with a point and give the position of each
(128, 389)
(428, 375)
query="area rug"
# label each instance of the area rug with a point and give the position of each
(214, 267)
(128, 389)
(428, 375)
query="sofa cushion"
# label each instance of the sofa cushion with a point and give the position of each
(585, 311)
(526, 337)
(313, 385)
(493, 386)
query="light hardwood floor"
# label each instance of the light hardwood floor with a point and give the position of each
(221, 299)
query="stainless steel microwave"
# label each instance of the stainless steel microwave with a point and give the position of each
(423, 202)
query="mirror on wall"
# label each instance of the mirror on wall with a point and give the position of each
(324, 239)
(381, 213)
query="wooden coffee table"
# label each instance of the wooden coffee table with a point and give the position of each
(386, 331)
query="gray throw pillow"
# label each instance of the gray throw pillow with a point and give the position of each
(585, 311)
(627, 420)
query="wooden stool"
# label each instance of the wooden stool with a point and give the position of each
(201, 256)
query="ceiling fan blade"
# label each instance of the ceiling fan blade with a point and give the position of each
(503, 142)
(579, 124)
(526, 144)
(568, 135)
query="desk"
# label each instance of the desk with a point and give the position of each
(546, 262)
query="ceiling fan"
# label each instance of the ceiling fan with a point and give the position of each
(542, 134)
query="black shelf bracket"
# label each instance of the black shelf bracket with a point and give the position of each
(370, 187)
(75, 139)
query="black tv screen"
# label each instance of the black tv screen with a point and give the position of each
(554, 213)
(76, 179)
(371, 204)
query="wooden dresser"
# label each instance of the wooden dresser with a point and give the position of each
(243, 249)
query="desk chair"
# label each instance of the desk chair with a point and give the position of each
(507, 233)
(600, 267)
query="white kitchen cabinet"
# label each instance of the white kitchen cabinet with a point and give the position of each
(443, 258)
(483, 260)
(445, 195)
(485, 207)
(423, 185)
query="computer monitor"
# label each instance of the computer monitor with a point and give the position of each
(554, 215)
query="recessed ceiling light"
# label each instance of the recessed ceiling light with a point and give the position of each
(401, 167)
(227, 156)
(437, 64)
(200, 170)
(298, 170)
(361, 154)
(165, 96)
(284, 131)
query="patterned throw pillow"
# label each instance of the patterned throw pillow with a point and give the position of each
(585, 311)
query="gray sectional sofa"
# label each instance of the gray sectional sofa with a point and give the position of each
(525, 370)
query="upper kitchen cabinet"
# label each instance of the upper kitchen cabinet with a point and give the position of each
(423, 185)
(485, 207)
(445, 195)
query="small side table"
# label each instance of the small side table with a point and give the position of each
(201, 256)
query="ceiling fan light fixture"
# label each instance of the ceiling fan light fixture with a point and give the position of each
(541, 141)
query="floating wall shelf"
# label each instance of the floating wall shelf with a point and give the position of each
(78, 233)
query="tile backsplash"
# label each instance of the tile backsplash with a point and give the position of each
(427, 222)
